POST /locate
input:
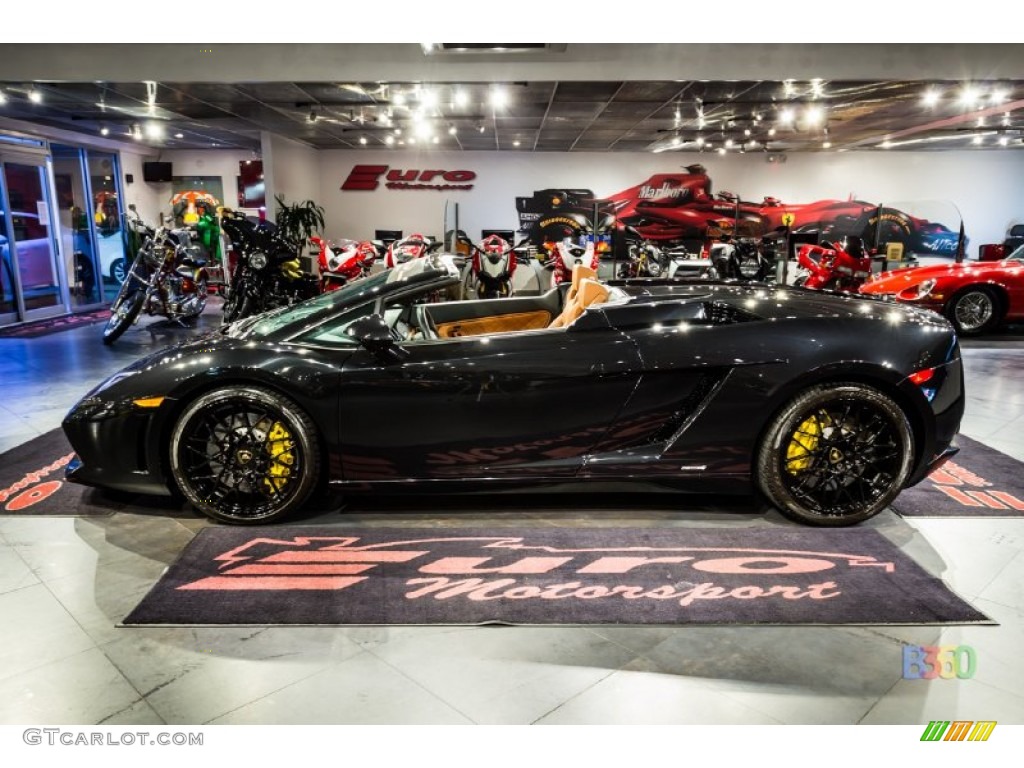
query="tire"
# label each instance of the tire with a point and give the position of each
(244, 455)
(232, 309)
(118, 270)
(975, 310)
(123, 311)
(895, 227)
(836, 455)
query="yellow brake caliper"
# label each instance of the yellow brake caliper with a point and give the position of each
(280, 446)
(804, 443)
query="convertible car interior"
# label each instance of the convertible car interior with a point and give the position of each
(557, 308)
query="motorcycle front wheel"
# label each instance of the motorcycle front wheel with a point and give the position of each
(123, 311)
(232, 309)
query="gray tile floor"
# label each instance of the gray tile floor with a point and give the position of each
(65, 583)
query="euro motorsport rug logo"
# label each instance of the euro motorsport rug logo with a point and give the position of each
(958, 730)
(546, 576)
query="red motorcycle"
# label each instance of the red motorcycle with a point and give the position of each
(491, 268)
(342, 263)
(415, 246)
(842, 267)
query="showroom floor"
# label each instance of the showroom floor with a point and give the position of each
(66, 582)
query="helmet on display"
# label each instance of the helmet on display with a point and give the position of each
(853, 245)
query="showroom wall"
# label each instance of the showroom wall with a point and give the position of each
(986, 186)
(291, 170)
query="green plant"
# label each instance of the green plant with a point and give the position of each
(298, 221)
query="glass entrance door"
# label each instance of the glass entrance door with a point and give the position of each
(28, 251)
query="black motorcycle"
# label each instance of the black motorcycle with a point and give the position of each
(267, 274)
(744, 258)
(167, 277)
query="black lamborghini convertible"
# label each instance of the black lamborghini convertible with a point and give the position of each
(829, 405)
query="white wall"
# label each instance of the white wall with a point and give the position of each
(986, 186)
(291, 170)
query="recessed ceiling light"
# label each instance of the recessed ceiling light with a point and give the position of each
(362, 140)
(728, 142)
(481, 129)
(746, 132)
(813, 115)
(154, 130)
(3, 98)
(179, 135)
(977, 140)
(721, 150)
(428, 99)
(398, 100)
(452, 130)
(1003, 141)
(35, 96)
(786, 116)
(826, 145)
(771, 131)
(969, 96)
(998, 96)
(436, 139)
(461, 98)
(104, 131)
(389, 140)
(931, 97)
(515, 143)
(499, 98)
(817, 88)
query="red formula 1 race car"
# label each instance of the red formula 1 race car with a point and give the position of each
(975, 296)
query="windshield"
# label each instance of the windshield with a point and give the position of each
(1017, 255)
(270, 322)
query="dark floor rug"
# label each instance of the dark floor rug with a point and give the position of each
(54, 325)
(978, 482)
(571, 576)
(32, 482)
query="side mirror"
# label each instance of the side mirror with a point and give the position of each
(374, 335)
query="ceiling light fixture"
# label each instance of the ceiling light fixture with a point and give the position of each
(428, 99)
(179, 135)
(3, 98)
(813, 115)
(398, 100)
(700, 141)
(969, 96)
(516, 143)
(35, 96)
(104, 131)
(817, 87)
(461, 98)
(977, 140)
(826, 145)
(931, 97)
(154, 130)
(771, 131)
(481, 128)
(998, 96)
(746, 132)
(1004, 140)
(389, 140)
(362, 140)
(436, 139)
(499, 98)
(452, 130)
(721, 150)
(312, 115)
(788, 88)
(786, 116)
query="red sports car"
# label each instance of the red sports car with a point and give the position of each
(975, 296)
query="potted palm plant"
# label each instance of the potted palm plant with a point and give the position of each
(298, 221)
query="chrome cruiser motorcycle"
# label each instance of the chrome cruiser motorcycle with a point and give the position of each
(167, 277)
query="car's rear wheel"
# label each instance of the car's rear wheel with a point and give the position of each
(974, 310)
(836, 455)
(245, 455)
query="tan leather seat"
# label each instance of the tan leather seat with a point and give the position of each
(586, 292)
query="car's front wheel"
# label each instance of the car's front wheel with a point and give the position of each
(244, 455)
(974, 310)
(836, 455)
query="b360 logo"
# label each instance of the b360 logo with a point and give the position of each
(928, 662)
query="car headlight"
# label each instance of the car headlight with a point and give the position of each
(917, 292)
(258, 260)
(117, 377)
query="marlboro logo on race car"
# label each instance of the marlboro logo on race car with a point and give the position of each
(367, 178)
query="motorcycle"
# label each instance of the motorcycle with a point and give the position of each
(167, 277)
(492, 268)
(743, 259)
(567, 253)
(345, 262)
(839, 266)
(644, 260)
(267, 274)
(415, 246)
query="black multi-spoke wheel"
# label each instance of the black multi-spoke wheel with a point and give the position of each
(837, 455)
(244, 455)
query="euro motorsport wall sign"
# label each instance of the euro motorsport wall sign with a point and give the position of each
(366, 178)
